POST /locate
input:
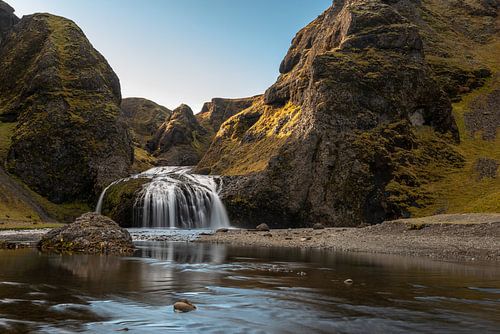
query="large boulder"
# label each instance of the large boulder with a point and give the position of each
(92, 234)
(69, 142)
(346, 133)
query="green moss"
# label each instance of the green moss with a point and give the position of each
(120, 199)
(247, 148)
(6, 132)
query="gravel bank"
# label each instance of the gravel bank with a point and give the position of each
(469, 237)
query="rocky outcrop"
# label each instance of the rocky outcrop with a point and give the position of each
(217, 111)
(181, 140)
(69, 142)
(119, 202)
(143, 118)
(345, 134)
(91, 234)
(7, 19)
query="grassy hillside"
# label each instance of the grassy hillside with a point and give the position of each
(476, 186)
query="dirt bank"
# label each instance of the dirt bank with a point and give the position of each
(467, 237)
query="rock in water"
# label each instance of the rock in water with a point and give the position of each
(262, 227)
(318, 226)
(68, 143)
(91, 233)
(327, 139)
(184, 305)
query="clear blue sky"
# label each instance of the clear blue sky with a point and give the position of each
(187, 51)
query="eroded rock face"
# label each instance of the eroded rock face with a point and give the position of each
(339, 137)
(7, 19)
(69, 142)
(181, 140)
(144, 118)
(217, 111)
(91, 234)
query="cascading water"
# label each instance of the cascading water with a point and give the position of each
(176, 198)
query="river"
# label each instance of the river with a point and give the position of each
(244, 290)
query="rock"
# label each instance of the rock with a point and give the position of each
(143, 118)
(119, 201)
(222, 230)
(181, 140)
(267, 235)
(7, 19)
(305, 238)
(325, 141)
(318, 226)
(184, 305)
(262, 227)
(348, 281)
(217, 111)
(69, 142)
(91, 233)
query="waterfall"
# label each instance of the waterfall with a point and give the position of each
(175, 198)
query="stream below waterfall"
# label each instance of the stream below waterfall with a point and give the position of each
(244, 290)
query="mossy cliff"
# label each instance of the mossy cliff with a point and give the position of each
(181, 140)
(69, 142)
(359, 123)
(143, 118)
(7, 19)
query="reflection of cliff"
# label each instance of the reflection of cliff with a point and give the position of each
(181, 252)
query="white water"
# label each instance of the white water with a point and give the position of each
(175, 198)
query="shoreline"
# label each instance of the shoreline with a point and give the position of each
(467, 237)
(460, 237)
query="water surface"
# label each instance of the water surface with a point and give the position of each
(244, 290)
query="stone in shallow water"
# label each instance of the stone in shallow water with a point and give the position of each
(184, 305)
(318, 226)
(91, 233)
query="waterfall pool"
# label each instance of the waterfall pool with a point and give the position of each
(244, 290)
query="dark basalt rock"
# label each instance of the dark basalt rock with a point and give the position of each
(181, 140)
(7, 19)
(335, 138)
(92, 234)
(69, 142)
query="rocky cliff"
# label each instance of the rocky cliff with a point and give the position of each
(217, 111)
(359, 120)
(143, 118)
(181, 140)
(7, 19)
(68, 143)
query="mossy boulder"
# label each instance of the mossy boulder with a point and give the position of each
(119, 201)
(91, 233)
(69, 142)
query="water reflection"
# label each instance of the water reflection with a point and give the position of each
(241, 289)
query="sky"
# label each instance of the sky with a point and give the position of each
(187, 51)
